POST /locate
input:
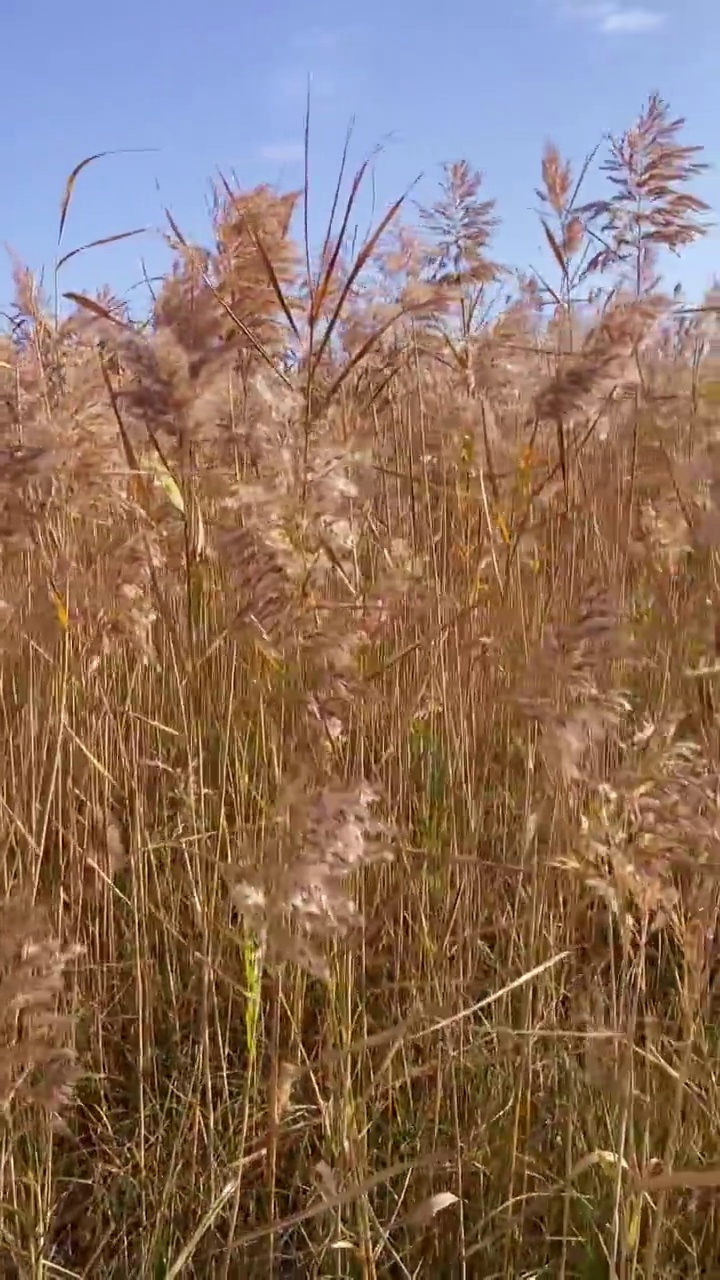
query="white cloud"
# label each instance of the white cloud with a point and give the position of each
(282, 152)
(612, 17)
(630, 22)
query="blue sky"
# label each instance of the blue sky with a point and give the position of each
(222, 85)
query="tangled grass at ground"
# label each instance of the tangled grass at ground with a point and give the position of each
(359, 802)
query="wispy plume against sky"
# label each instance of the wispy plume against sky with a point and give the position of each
(222, 88)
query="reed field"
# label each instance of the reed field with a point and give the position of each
(360, 785)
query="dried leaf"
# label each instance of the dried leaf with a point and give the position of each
(424, 1212)
(287, 1075)
(608, 1161)
(557, 251)
(681, 1180)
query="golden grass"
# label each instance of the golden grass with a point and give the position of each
(359, 803)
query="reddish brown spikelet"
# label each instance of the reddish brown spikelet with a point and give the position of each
(573, 236)
(557, 179)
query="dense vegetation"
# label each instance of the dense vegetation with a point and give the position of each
(360, 788)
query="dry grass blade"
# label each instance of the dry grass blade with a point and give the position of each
(361, 260)
(333, 242)
(75, 174)
(94, 307)
(98, 244)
